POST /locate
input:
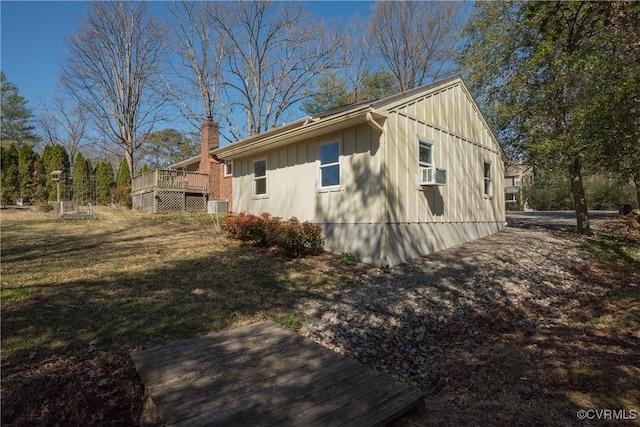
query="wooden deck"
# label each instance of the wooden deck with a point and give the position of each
(264, 375)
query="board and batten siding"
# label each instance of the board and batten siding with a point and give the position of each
(424, 219)
(349, 215)
(380, 213)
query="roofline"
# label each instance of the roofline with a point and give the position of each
(332, 118)
(297, 129)
(403, 96)
(185, 162)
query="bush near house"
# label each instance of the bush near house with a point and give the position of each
(295, 239)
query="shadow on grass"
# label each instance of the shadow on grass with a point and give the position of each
(482, 358)
(179, 300)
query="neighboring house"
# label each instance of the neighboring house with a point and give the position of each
(388, 181)
(515, 176)
(195, 184)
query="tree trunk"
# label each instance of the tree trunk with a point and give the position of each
(636, 183)
(129, 156)
(579, 199)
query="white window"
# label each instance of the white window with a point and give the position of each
(488, 178)
(329, 165)
(260, 177)
(510, 197)
(516, 180)
(425, 156)
(228, 168)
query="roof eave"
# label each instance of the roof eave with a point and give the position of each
(306, 129)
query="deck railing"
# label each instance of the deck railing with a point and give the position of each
(166, 178)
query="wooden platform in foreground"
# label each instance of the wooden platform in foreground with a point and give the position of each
(264, 375)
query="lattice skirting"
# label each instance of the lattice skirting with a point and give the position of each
(169, 201)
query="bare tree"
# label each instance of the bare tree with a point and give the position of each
(413, 39)
(64, 122)
(274, 51)
(113, 70)
(194, 38)
(356, 58)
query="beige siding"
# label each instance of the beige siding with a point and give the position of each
(292, 181)
(419, 219)
(461, 144)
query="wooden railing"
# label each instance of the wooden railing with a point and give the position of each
(165, 178)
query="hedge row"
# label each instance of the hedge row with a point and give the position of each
(292, 237)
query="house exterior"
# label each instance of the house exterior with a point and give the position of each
(388, 181)
(191, 185)
(515, 176)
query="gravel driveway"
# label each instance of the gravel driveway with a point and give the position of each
(403, 320)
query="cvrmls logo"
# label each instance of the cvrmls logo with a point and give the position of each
(607, 414)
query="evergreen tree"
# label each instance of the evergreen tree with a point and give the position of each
(122, 192)
(377, 86)
(123, 178)
(166, 147)
(330, 92)
(15, 120)
(104, 182)
(10, 178)
(54, 158)
(81, 182)
(31, 176)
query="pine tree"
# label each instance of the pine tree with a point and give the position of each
(10, 178)
(15, 120)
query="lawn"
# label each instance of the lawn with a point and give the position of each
(77, 297)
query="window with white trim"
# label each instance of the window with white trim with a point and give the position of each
(488, 180)
(516, 180)
(228, 167)
(260, 177)
(329, 164)
(425, 155)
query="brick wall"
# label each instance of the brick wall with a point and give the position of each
(220, 187)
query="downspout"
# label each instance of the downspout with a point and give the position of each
(384, 236)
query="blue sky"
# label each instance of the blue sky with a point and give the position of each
(33, 34)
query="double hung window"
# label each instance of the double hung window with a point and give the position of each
(260, 178)
(329, 165)
(488, 180)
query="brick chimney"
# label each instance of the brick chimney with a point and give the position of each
(220, 185)
(209, 132)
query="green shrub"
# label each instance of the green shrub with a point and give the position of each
(293, 238)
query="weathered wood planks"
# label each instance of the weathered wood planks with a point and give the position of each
(263, 375)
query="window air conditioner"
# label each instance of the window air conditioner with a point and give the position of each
(432, 176)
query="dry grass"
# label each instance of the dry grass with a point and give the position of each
(73, 290)
(77, 297)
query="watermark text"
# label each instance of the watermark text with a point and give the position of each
(607, 414)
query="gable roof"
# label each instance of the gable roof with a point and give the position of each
(333, 120)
